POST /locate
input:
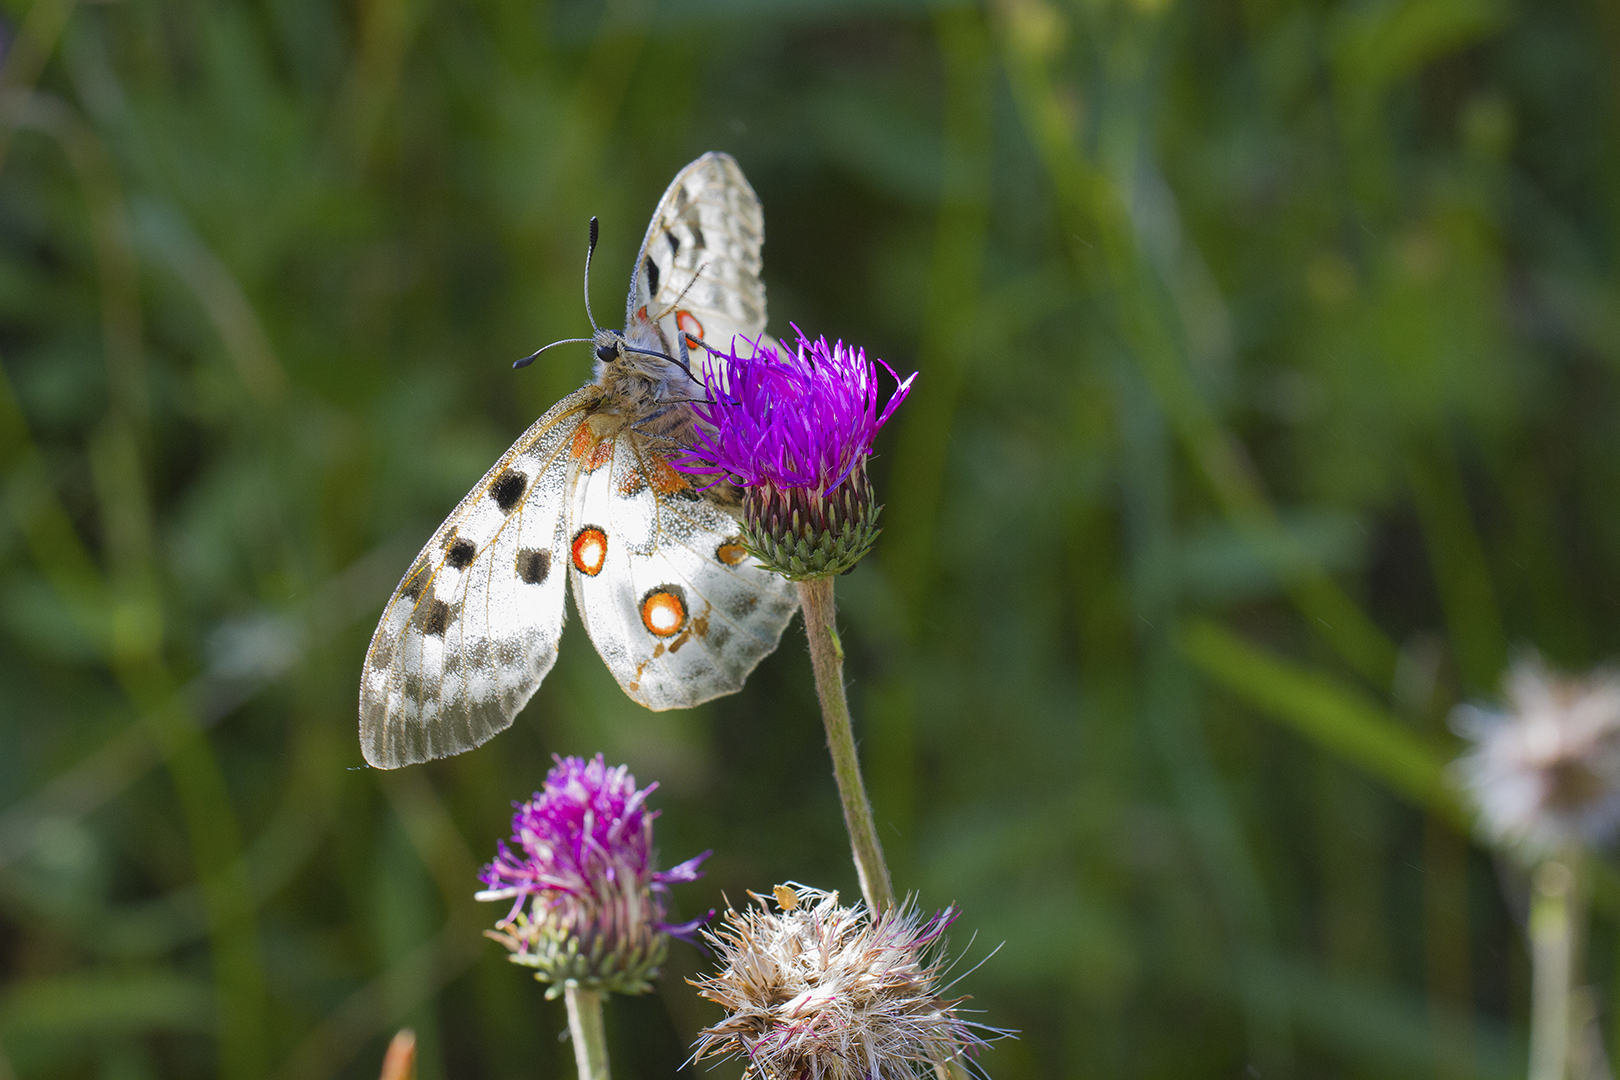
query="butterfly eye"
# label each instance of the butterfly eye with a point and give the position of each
(607, 353)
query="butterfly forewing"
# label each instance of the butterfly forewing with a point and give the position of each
(698, 272)
(677, 609)
(473, 627)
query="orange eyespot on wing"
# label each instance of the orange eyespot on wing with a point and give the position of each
(590, 550)
(731, 552)
(689, 326)
(663, 612)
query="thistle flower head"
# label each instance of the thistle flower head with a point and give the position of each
(587, 905)
(817, 991)
(1545, 773)
(794, 427)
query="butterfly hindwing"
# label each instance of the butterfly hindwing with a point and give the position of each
(473, 627)
(698, 271)
(677, 609)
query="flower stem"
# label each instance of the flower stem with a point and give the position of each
(1552, 967)
(827, 657)
(585, 1028)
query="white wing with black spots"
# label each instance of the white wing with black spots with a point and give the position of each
(474, 625)
(678, 611)
(698, 271)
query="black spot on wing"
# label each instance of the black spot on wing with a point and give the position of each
(461, 553)
(533, 566)
(416, 581)
(674, 243)
(650, 268)
(697, 236)
(507, 489)
(438, 618)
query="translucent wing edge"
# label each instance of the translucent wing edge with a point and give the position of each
(713, 159)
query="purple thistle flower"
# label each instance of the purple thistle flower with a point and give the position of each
(587, 905)
(803, 418)
(794, 427)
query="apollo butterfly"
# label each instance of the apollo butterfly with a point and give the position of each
(675, 607)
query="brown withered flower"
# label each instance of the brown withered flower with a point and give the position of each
(817, 991)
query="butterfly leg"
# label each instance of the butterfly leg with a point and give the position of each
(656, 415)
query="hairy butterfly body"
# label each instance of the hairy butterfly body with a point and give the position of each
(678, 611)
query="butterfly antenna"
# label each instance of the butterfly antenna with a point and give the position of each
(527, 360)
(590, 249)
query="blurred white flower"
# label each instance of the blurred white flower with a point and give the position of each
(1546, 773)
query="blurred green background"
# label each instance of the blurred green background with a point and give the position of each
(1270, 354)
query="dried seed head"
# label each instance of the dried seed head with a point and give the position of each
(817, 991)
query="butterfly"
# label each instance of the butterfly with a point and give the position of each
(678, 610)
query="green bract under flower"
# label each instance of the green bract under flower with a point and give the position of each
(802, 533)
(794, 427)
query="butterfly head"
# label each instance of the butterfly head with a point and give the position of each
(608, 345)
(639, 373)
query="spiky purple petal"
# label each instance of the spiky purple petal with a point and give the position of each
(800, 417)
(579, 871)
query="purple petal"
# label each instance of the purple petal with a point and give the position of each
(803, 417)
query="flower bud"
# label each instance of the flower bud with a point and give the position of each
(587, 907)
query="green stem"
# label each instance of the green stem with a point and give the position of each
(585, 1027)
(827, 657)
(1552, 967)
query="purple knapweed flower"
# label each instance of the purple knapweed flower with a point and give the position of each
(587, 905)
(1545, 774)
(818, 991)
(794, 427)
